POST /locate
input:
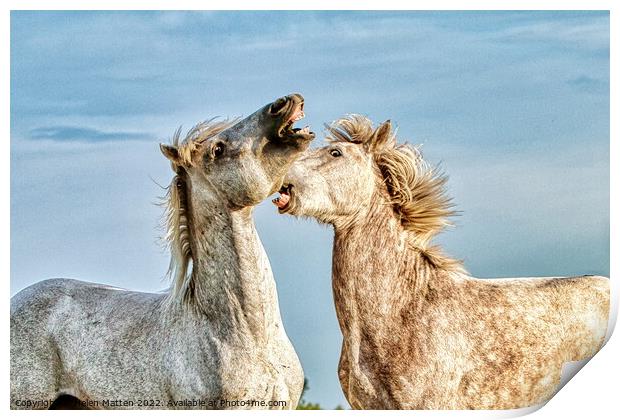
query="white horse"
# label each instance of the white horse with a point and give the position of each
(215, 339)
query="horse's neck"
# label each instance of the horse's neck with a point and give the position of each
(233, 285)
(375, 273)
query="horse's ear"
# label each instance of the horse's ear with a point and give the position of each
(171, 152)
(381, 136)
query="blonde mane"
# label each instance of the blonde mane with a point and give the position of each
(176, 221)
(417, 190)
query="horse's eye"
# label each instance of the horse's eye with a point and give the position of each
(218, 150)
(335, 153)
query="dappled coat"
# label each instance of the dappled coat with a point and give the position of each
(418, 331)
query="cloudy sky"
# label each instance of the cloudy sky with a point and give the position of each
(514, 105)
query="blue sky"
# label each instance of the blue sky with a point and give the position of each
(514, 105)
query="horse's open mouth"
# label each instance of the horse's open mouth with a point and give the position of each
(285, 201)
(295, 114)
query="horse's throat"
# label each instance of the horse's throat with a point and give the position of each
(375, 274)
(233, 281)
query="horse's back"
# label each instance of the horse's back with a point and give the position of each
(58, 297)
(36, 295)
(525, 330)
(52, 289)
(41, 309)
(63, 309)
(32, 308)
(36, 369)
(578, 305)
(60, 326)
(587, 303)
(582, 303)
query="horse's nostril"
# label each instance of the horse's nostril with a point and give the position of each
(278, 106)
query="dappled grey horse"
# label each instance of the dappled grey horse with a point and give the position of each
(418, 331)
(215, 339)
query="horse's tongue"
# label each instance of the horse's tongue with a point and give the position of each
(281, 201)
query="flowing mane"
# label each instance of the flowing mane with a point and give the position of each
(417, 190)
(176, 222)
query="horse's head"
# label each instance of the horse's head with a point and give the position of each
(338, 182)
(241, 163)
